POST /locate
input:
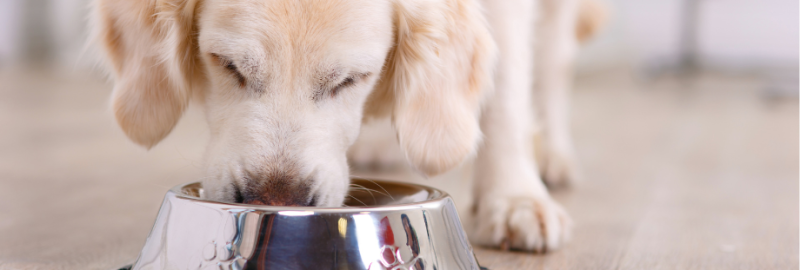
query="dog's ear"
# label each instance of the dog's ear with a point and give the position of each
(150, 46)
(434, 80)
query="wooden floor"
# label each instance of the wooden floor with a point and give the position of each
(678, 175)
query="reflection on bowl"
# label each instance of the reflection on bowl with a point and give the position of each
(384, 225)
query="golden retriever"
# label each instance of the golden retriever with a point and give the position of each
(285, 85)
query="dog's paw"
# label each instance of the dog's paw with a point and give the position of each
(521, 223)
(376, 148)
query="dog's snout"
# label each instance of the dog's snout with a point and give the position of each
(277, 201)
(277, 190)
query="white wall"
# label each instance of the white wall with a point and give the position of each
(732, 34)
(742, 32)
(50, 30)
(10, 30)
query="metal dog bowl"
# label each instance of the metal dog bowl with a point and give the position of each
(386, 225)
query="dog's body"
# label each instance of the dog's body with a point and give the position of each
(285, 85)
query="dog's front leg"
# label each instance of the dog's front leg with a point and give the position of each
(556, 47)
(512, 206)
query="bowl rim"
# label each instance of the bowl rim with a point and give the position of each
(439, 197)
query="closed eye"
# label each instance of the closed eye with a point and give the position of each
(230, 67)
(347, 82)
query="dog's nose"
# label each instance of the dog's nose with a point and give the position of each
(278, 201)
(277, 191)
(293, 197)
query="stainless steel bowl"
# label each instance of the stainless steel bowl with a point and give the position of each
(385, 225)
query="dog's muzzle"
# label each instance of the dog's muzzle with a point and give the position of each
(277, 189)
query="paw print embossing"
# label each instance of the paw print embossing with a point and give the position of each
(395, 258)
(221, 252)
(217, 256)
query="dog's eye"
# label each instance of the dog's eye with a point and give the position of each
(231, 67)
(346, 83)
(332, 92)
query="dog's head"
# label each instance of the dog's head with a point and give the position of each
(286, 83)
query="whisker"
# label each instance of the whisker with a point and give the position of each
(384, 190)
(354, 198)
(376, 191)
(366, 189)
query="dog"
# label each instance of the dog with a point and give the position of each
(286, 84)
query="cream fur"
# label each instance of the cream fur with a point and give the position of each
(151, 51)
(285, 86)
(438, 73)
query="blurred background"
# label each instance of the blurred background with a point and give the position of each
(685, 117)
(651, 36)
